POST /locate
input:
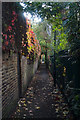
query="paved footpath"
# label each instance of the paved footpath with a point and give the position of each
(42, 100)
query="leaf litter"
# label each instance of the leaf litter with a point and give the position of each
(29, 103)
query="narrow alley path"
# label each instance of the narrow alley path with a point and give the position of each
(42, 100)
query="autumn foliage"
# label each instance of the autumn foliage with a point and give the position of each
(26, 42)
(33, 46)
(8, 34)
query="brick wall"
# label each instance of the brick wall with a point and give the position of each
(10, 81)
(0, 87)
(9, 84)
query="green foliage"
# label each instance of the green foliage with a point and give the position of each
(72, 25)
(40, 31)
(76, 104)
(44, 9)
(61, 42)
(64, 18)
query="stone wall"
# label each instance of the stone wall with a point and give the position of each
(27, 72)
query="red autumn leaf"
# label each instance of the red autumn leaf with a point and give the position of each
(5, 36)
(24, 44)
(31, 31)
(9, 28)
(15, 18)
(6, 43)
(13, 36)
(12, 21)
(9, 36)
(12, 24)
(13, 12)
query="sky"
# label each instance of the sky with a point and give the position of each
(34, 19)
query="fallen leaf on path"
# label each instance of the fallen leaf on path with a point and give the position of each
(58, 115)
(37, 107)
(26, 108)
(29, 102)
(31, 94)
(56, 104)
(15, 113)
(18, 110)
(30, 111)
(22, 101)
(19, 105)
(30, 88)
(65, 112)
(57, 110)
(25, 104)
(24, 115)
(23, 98)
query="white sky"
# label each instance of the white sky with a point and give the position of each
(34, 19)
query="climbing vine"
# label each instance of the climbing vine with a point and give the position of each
(8, 33)
(33, 47)
(18, 35)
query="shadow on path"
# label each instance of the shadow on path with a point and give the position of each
(42, 100)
